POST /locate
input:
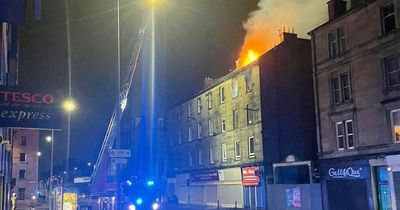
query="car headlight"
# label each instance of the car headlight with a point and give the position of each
(155, 206)
(132, 207)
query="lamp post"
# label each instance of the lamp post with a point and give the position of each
(51, 139)
(69, 106)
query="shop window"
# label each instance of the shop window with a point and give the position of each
(388, 18)
(252, 153)
(235, 89)
(392, 70)
(395, 118)
(223, 152)
(222, 94)
(237, 150)
(22, 174)
(345, 135)
(341, 88)
(382, 188)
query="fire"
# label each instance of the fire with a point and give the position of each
(251, 56)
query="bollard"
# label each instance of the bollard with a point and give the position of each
(218, 204)
(236, 204)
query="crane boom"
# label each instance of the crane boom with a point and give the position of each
(110, 134)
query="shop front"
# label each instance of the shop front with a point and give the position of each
(347, 184)
(393, 168)
(253, 187)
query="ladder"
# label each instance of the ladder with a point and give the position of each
(111, 132)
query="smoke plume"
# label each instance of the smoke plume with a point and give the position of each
(263, 25)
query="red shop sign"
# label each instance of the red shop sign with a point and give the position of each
(250, 177)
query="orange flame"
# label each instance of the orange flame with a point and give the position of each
(256, 43)
(251, 56)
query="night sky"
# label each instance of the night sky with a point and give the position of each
(194, 39)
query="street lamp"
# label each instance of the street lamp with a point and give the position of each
(69, 106)
(39, 154)
(51, 139)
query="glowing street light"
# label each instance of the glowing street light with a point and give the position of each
(48, 138)
(69, 105)
(39, 154)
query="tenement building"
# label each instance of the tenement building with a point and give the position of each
(25, 168)
(223, 142)
(356, 58)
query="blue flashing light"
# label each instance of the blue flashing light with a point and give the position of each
(150, 183)
(129, 182)
(139, 201)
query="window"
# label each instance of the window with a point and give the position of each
(247, 78)
(23, 140)
(235, 90)
(200, 157)
(332, 45)
(222, 94)
(210, 127)
(21, 174)
(22, 157)
(237, 150)
(209, 100)
(190, 159)
(235, 120)
(341, 40)
(190, 136)
(21, 194)
(341, 90)
(180, 113)
(395, 118)
(223, 125)
(223, 152)
(211, 155)
(199, 127)
(179, 137)
(252, 153)
(392, 70)
(251, 114)
(388, 18)
(189, 109)
(337, 42)
(345, 135)
(198, 105)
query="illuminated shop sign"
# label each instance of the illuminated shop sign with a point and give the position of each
(29, 109)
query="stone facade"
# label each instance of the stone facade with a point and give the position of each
(245, 121)
(356, 63)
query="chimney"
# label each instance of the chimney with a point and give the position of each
(287, 36)
(336, 8)
(208, 82)
(356, 3)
